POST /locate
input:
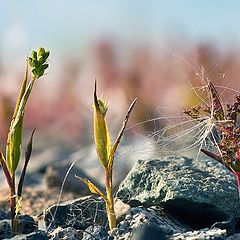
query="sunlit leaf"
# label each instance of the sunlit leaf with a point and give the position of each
(120, 134)
(93, 189)
(14, 141)
(21, 93)
(101, 133)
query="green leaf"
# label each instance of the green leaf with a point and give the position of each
(22, 91)
(120, 134)
(27, 159)
(13, 150)
(14, 146)
(93, 189)
(101, 133)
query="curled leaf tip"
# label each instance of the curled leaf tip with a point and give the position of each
(95, 95)
(100, 105)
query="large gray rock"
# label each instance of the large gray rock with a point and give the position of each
(96, 233)
(27, 224)
(140, 222)
(203, 234)
(198, 192)
(39, 235)
(68, 233)
(5, 229)
(234, 237)
(79, 213)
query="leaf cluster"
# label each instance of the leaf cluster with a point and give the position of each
(38, 62)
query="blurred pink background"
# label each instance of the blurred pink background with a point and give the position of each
(149, 50)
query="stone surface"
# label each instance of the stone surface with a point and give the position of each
(204, 234)
(27, 224)
(142, 221)
(79, 214)
(55, 174)
(39, 235)
(4, 215)
(5, 230)
(65, 233)
(200, 193)
(96, 233)
(35, 201)
(234, 237)
(121, 209)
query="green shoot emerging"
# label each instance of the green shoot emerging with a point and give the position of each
(10, 161)
(106, 153)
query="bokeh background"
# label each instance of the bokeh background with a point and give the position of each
(153, 50)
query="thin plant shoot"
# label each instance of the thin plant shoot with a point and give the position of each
(10, 160)
(106, 152)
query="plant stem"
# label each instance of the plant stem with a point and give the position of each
(110, 204)
(14, 218)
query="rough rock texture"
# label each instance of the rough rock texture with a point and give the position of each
(79, 214)
(234, 237)
(142, 221)
(5, 230)
(27, 224)
(198, 192)
(3, 215)
(96, 233)
(203, 234)
(39, 235)
(121, 209)
(65, 233)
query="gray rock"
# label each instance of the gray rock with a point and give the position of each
(141, 222)
(46, 157)
(55, 174)
(39, 235)
(204, 234)
(234, 237)
(200, 193)
(121, 209)
(27, 224)
(65, 233)
(79, 214)
(4, 215)
(96, 233)
(5, 229)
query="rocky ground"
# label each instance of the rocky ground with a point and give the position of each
(168, 198)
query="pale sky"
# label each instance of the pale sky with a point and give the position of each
(63, 24)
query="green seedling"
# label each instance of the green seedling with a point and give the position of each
(106, 153)
(38, 64)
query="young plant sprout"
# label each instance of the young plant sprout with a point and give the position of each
(226, 133)
(106, 153)
(10, 161)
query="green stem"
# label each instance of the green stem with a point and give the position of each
(110, 204)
